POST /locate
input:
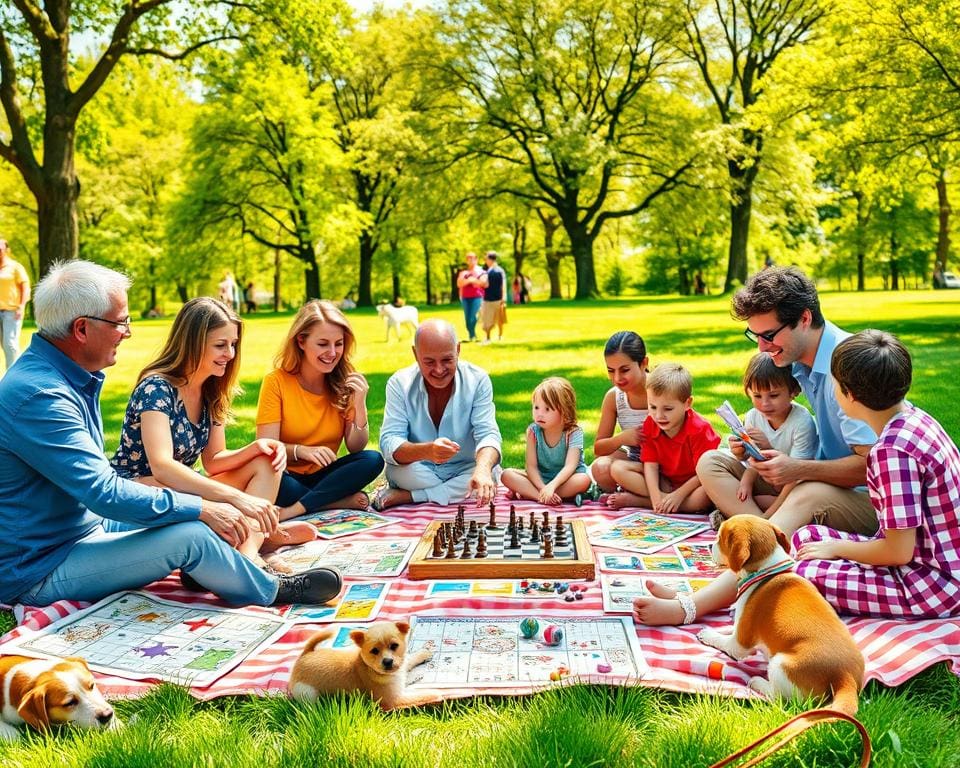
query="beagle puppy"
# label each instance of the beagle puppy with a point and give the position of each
(810, 651)
(50, 692)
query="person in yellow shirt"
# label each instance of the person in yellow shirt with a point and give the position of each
(14, 295)
(314, 401)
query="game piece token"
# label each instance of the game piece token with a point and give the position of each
(553, 635)
(570, 598)
(604, 668)
(529, 628)
(578, 596)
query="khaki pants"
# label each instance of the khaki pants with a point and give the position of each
(844, 509)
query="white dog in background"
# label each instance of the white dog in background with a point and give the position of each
(394, 317)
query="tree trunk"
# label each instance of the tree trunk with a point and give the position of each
(943, 231)
(454, 291)
(862, 216)
(742, 175)
(311, 271)
(276, 278)
(425, 244)
(57, 229)
(183, 293)
(519, 248)
(367, 249)
(581, 246)
(894, 254)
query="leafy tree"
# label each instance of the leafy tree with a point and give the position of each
(734, 44)
(43, 90)
(574, 94)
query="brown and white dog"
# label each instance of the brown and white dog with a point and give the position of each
(377, 665)
(810, 651)
(50, 692)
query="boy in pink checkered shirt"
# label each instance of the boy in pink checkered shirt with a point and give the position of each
(911, 568)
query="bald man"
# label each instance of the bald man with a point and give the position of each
(440, 438)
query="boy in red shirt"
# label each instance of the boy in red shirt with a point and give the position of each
(675, 437)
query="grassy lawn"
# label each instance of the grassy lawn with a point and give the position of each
(916, 724)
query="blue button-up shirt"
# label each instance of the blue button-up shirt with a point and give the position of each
(837, 431)
(469, 419)
(55, 481)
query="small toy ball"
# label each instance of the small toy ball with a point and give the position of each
(557, 675)
(604, 668)
(553, 635)
(529, 627)
(570, 598)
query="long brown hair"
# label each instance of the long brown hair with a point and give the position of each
(184, 348)
(290, 357)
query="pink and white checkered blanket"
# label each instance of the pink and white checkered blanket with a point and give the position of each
(894, 650)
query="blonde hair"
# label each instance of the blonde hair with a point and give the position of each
(183, 351)
(290, 357)
(671, 379)
(557, 393)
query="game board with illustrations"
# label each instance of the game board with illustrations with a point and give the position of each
(619, 591)
(351, 558)
(493, 652)
(361, 601)
(685, 557)
(646, 532)
(334, 523)
(141, 637)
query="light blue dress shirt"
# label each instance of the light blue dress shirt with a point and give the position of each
(837, 431)
(469, 419)
(56, 484)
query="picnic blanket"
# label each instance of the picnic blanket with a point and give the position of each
(894, 650)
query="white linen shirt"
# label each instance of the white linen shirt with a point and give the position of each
(469, 418)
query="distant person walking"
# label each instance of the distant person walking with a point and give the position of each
(471, 294)
(14, 295)
(227, 289)
(493, 308)
(250, 297)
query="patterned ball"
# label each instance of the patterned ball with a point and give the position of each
(553, 635)
(529, 628)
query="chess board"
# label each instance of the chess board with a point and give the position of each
(574, 560)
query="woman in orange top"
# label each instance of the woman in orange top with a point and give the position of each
(312, 402)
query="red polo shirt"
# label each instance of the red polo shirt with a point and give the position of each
(678, 456)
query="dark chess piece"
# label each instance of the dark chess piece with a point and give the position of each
(547, 547)
(535, 533)
(451, 549)
(438, 544)
(515, 538)
(473, 528)
(530, 524)
(492, 525)
(560, 533)
(513, 518)
(482, 544)
(466, 554)
(520, 524)
(545, 525)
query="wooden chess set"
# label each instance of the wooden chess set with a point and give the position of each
(534, 548)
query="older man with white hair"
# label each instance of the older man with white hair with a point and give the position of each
(439, 438)
(73, 529)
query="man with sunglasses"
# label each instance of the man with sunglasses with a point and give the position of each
(73, 529)
(782, 311)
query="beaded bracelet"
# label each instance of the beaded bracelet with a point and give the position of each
(295, 457)
(689, 607)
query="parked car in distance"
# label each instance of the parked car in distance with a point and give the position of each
(950, 280)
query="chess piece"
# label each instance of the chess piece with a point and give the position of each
(520, 524)
(492, 525)
(560, 533)
(482, 544)
(515, 538)
(530, 525)
(535, 532)
(547, 546)
(438, 544)
(467, 553)
(545, 525)
(451, 549)
(513, 518)
(473, 528)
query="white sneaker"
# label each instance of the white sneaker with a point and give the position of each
(484, 342)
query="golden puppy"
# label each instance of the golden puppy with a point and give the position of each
(810, 650)
(49, 692)
(378, 666)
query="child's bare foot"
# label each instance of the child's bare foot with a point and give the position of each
(287, 534)
(358, 500)
(277, 564)
(623, 499)
(511, 495)
(660, 609)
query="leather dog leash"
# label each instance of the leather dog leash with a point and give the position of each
(793, 728)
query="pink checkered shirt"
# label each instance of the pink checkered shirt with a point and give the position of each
(913, 475)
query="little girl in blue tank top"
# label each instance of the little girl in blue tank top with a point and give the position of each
(555, 469)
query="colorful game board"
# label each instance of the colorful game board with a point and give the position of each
(494, 653)
(333, 523)
(352, 558)
(361, 601)
(646, 532)
(521, 589)
(138, 636)
(680, 558)
(573, 560)
(619, 590)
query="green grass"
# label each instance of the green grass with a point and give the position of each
(913, 725)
